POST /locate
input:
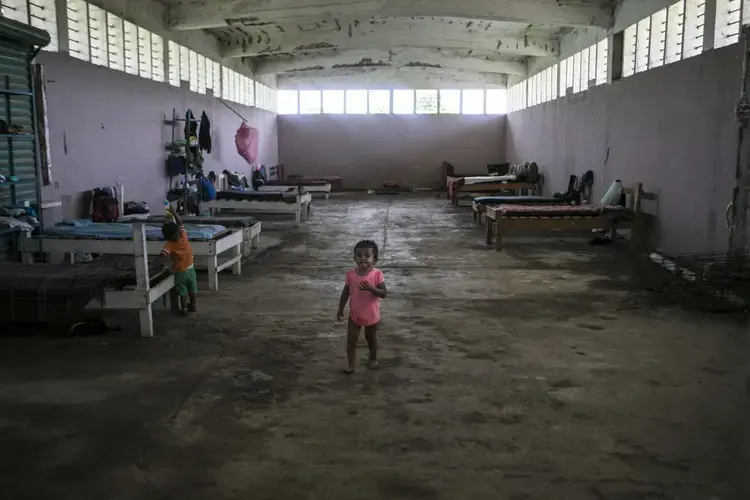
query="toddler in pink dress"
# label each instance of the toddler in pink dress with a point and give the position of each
(363, 289)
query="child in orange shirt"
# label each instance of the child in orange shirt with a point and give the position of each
(178, 248)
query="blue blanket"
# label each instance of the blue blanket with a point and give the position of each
(84, 228)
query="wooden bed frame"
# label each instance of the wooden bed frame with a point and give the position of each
(499, 225)
(206, 250)
(493, 187)
(143, 296)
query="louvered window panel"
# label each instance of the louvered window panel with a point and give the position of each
(144, 53)
(157, 58)
(78, 29)
(98, 35)
(115, 43)
(174, 64)
(675, 28)
(658, 39)
(694, 25)
(131, 47)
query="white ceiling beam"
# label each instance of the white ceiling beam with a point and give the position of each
(441, 34)
(390, 78)
(205, 14)
(394, 58)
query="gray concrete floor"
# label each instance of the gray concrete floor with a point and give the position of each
(549, 371)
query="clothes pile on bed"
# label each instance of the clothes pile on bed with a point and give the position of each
(18, 219)
(56, 293)
(87, 229)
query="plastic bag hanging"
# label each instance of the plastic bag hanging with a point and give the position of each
(246, 140)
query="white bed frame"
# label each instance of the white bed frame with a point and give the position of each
(206, 250)
(142, 297)
(324, 189)
(300, 208)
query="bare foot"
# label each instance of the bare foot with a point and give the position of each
(348, 370)
(373, 364)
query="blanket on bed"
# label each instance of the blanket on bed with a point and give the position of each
(59, 292)
(86, 229)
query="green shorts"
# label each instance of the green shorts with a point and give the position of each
(186, 282)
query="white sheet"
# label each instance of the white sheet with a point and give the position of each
(488, 178)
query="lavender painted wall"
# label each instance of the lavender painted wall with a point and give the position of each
(106, 124)
(368, 150)
(671, 128)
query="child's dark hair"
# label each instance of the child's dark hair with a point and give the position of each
(368, 244)
(171, 231)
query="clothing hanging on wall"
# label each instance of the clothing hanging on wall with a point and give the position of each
(204, 134)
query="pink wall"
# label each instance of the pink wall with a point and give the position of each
(671, 128)
(104, 124)
(368, 150)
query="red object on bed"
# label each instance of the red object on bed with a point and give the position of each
(560, 210)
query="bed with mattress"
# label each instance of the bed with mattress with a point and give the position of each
(250, 227)
(508, 217)
(480, 204)
(114, 238)
(521, 179)
(313, 186)
(292, 201)
(56, 292)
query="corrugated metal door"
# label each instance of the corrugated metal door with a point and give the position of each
(18, 150)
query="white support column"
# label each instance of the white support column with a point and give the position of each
(709, 25)
(140, 252)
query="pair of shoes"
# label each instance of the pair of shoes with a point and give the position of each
(191, 308)
(183, 312)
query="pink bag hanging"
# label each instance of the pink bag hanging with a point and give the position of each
(246, 140)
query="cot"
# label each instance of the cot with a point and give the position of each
(249, 226)
(504, 218)
(297, 205)
(311, 186)
(487, 184)
(47, 292)
(208, 242)
(479, 205)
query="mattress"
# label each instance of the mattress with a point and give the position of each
(298, 182)
(58, 292)
(520, 200)
(85, 229)
(222, 220)
(488, 179)
(562, 211)
(285, 196)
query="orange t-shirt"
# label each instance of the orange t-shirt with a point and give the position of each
(180, 252)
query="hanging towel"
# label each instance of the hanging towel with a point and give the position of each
(204, 134)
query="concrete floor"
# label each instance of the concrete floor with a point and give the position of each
(548, 371)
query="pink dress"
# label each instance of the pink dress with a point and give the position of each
(364, 307)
